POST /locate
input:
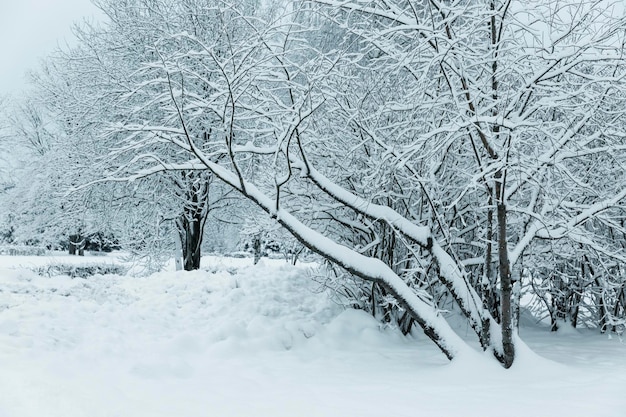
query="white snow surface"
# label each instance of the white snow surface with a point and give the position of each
(265, 340)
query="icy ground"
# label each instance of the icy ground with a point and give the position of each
(243, 340)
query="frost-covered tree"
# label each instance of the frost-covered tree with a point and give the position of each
(33, 207)
(463, 106)
(82, 84)
(436, 150)
(238, 104)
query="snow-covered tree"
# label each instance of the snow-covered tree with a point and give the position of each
(433, 149)
(482, 106)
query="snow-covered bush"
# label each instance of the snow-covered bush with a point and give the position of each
(80, 271)
(351, 292)
(19, 250)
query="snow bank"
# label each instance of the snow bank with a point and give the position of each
(243, 340)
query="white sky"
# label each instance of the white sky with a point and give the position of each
(31, 29)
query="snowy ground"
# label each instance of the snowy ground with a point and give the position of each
(243, 340)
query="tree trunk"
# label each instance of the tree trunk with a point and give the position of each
(191, 223)
(190, 229)
(602, 319)
(489, 293)
(507, 287)
(256, 246)
(77, 245)
(72, 247)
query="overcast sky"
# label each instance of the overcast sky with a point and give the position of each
(30, 29)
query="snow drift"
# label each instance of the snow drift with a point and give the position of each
(265, 340)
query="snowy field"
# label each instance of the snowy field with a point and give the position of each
(264, 340)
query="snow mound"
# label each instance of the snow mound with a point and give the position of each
(264, 340)
(251, 309)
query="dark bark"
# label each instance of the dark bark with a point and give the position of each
(191, 223)
(578, 294)
(77, 245)
(489, 294)
(506, 288)
(72, 246)
(602, 321)
(256, 246)
(190, 231)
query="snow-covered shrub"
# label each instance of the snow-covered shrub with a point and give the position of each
(370, 297)
(15, 250)
(80, 271)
